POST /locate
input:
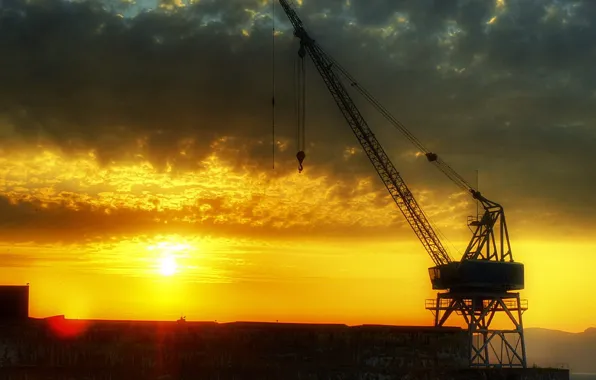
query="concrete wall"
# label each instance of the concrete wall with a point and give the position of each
(62, 349)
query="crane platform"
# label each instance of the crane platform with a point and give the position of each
(495, 276)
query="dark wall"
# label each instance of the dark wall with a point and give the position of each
(274, 373)
(227, 351)
(14, 302)
(58, 348)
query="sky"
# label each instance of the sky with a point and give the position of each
(137, 177)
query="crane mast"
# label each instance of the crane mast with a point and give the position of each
(481, 283)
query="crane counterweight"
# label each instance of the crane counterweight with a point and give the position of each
(478, 275)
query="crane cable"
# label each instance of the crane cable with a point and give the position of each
(273, 84)
(437, 161)
(450, 173)
(300, 109)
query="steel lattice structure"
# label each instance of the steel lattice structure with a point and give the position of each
(484, 281)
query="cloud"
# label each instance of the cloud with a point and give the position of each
(55, 198)
(150, 98)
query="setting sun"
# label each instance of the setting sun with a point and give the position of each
(168, 253)
(167, 266)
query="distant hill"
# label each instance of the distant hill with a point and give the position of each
(555, 348)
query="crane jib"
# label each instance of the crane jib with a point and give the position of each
(380, 160)
(481, 246)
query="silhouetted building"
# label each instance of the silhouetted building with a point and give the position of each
(14, 302)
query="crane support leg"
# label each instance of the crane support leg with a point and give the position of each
(489, 346)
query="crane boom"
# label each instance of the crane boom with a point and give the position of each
(483, 245)
(394, 183)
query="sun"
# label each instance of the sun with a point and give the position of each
(167, 266)
(168, 256)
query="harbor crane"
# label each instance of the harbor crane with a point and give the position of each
(485, 282)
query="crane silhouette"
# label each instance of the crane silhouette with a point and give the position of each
(486, 279)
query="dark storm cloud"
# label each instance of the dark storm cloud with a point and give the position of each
(430, 14)
(520, 91)
(522, 110)
(91, 79)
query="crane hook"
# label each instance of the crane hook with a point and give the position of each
(300, 156)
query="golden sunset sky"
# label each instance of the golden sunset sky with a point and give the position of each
(136, 166)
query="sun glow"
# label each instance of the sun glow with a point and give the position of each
(168, 253)
(168, 266)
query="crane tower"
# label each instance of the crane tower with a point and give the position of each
(485, 282)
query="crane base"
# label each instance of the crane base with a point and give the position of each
(489, 347)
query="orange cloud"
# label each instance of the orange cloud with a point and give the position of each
(44, 187)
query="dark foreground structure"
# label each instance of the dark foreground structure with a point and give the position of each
(58, 348)
(14, 302)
